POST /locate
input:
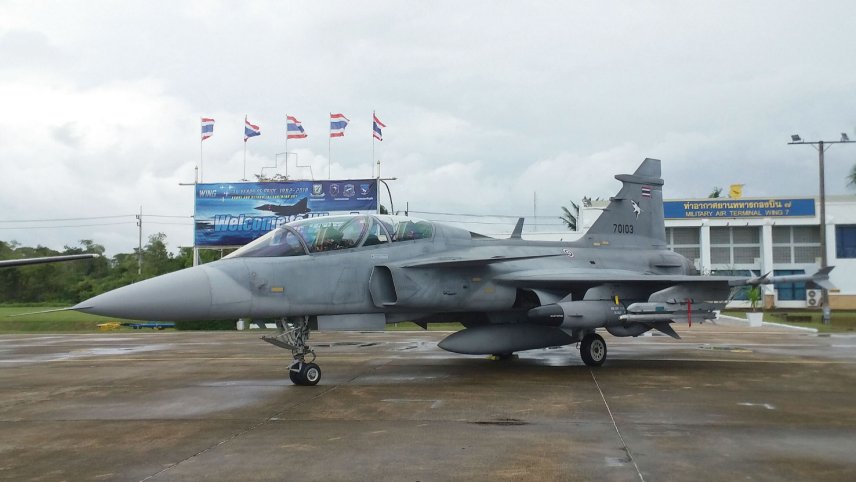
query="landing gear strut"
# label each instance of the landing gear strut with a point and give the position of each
(593, 350)
(293, 335)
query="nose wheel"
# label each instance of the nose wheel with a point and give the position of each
(293, 335)
(302, 373)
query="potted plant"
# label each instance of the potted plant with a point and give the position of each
(754, 296)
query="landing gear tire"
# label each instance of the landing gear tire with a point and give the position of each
(306, 374)
(311, 374)
(294, 335)
(593, 350)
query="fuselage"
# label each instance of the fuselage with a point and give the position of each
(384, 271)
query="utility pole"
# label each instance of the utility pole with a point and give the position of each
(821, 147)
(140, 250)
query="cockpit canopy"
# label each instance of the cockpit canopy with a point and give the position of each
(332, 233)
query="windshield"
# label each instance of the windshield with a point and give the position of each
(406, 229)
(279, 242)
(332, 233)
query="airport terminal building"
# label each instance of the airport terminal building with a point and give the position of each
(757, 236)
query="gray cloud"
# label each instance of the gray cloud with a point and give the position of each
(495, 100)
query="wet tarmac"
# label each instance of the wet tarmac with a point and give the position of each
(723, 403)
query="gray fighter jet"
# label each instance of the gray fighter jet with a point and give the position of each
(296, 209)
(361, 271)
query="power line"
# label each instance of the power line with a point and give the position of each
(479, 215)
(64, 219)
(66, 226)
(492, 223)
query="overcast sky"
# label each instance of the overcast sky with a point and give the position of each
(485, 102)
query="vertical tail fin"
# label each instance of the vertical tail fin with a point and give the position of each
(634, 217)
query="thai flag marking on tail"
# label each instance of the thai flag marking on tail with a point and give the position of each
(207, 128)
(338, 122)
(646, 191)
(294, 129)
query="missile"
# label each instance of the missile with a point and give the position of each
(660, 312)
(674, 316)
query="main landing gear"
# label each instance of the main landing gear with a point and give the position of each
(593, 350)
(293, 335)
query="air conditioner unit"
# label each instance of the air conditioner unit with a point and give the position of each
(812, 298)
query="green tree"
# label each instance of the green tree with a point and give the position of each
(72, 282)
(157, 260)
(570, 216)
(717, 191)
(851, 178)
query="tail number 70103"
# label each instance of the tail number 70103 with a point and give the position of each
(622, 228)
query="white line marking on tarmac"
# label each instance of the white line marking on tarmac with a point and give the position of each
(434, 403)
(765, 405)
(623, 443)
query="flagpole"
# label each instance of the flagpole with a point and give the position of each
(200, 160)
(286, 144)
(245, 149)
(373, 143)
(329, 155)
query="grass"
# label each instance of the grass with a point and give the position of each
(55, 322)
(841, 322)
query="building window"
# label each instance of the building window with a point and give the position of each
(691, 254)
(790, 291)
(735, 245)
(782, 254)
(796, 244)
(845, 241)
(746, 254)
(806, 254)
(720, 235)
(806, 234)
(720, 255)
(684, 241)
(748, 235)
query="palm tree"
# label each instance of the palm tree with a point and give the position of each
(851, 178)
(569, 216)
(715, 193)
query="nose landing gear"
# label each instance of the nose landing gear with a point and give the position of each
(293, 335)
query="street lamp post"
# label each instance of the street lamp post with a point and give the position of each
(821, 147)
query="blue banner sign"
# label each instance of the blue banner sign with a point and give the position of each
(233, 214)
(738, 208)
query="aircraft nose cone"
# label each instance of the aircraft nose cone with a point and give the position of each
(182, 295)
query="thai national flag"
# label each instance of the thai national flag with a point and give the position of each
(250, 130)
(207, 128)
(376, 127)
(338, 122)
(294, 129)
(646, 191)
